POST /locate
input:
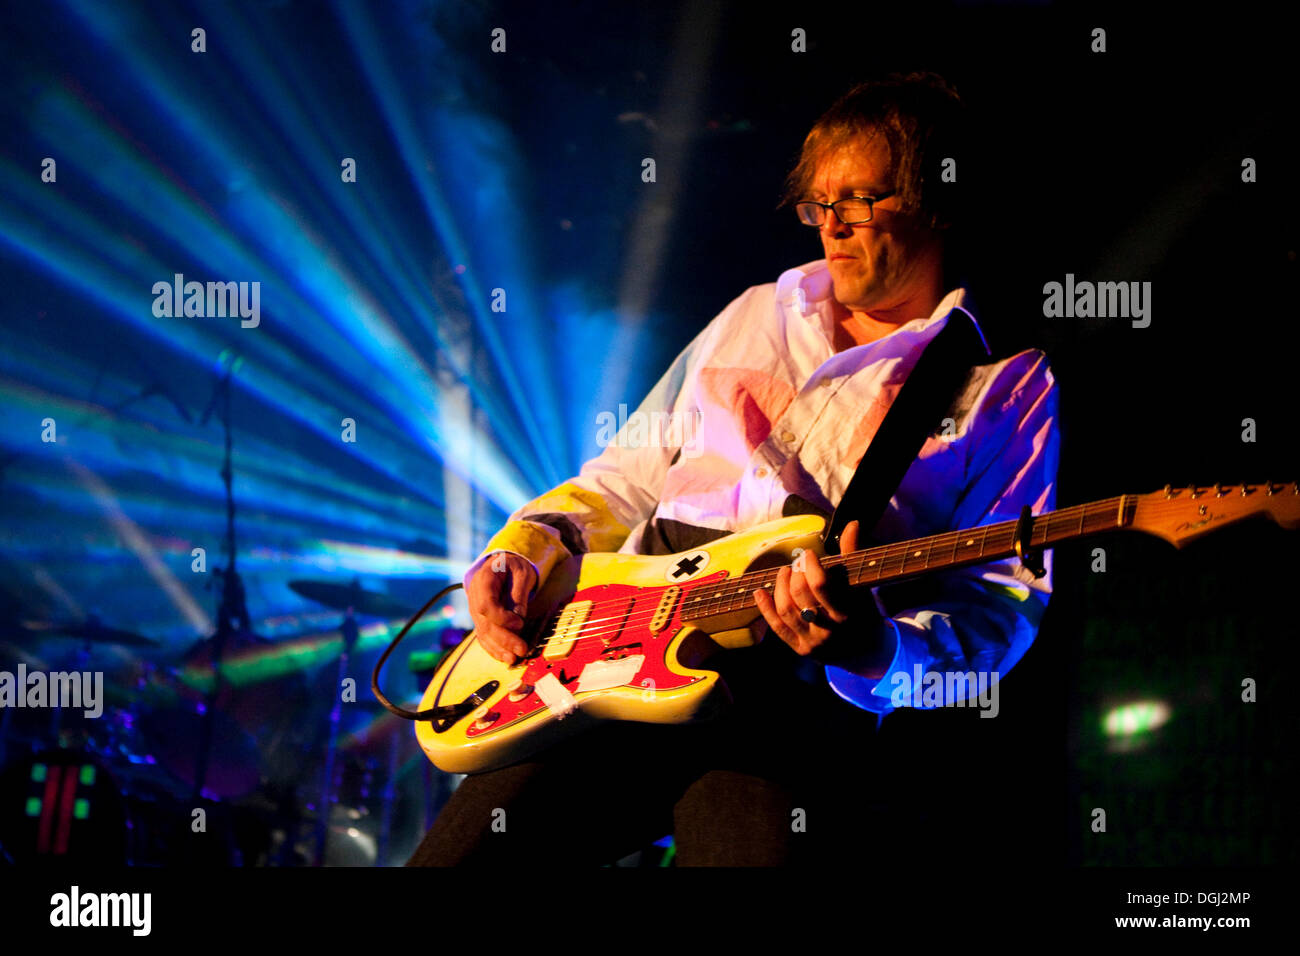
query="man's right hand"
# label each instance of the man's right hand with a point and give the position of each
(498, 603)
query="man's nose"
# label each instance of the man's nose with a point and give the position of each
(831, 224)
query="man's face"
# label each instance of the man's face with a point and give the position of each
(883, 264)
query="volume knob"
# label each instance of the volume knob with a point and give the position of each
(484, 718)
(519, 691)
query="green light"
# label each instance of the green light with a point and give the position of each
(1136, 718)
(38, 772)
(291, 657)
(33, 806)
(423, 660)
(88, 774)
(81, 809)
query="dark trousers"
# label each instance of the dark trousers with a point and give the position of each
(778, 778)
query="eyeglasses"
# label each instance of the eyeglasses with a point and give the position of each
(852, 211)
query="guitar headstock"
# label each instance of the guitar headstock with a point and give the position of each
(1181, 514)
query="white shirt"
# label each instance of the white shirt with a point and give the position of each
(760, 405)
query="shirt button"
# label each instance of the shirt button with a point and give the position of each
(760, 472)
(825, 383)
(787, 437)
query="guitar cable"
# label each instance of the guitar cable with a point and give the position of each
(434, 713)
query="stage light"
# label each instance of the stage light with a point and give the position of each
(375, 306)
(1136, 719)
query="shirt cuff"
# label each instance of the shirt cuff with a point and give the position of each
(535, 543)
(861, 691)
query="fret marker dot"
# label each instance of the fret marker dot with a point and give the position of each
(970, 542)
(870, 563)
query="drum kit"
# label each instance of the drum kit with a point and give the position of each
(186, 765)
(280, 782)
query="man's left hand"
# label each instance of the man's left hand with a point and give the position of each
(843, 628)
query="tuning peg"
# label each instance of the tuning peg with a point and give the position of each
(1169, 491)
(1194, 493)
(1218, 490)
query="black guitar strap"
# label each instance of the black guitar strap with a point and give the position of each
(916, 412)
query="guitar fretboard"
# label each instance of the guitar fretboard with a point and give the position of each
(904, 559)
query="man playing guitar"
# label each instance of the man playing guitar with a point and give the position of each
(785, 389)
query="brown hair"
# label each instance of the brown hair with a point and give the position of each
(921, 118)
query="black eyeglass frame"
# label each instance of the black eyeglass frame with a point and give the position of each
(869, 200)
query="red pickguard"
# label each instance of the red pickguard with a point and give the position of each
(626, 603)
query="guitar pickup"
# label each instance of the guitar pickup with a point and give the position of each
(664, 612)
(568, 628)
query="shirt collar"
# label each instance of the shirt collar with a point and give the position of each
(806, 291)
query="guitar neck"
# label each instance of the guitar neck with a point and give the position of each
(991, 542)
(1177, 515)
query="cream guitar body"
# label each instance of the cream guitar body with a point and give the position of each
(621, 637)
(603, 618)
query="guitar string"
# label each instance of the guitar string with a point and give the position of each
(728, 593)
(721, 601)
(1119, 505)
(884, 554)
(723, 592)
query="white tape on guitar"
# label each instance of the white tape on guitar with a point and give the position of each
(598, 675)
(555, 696)
(602, 675)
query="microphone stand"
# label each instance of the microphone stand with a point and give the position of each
(328, 797)
(232, 607)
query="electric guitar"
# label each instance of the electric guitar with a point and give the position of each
(620, 636)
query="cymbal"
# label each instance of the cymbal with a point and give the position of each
(341, 597)
(91, 631)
